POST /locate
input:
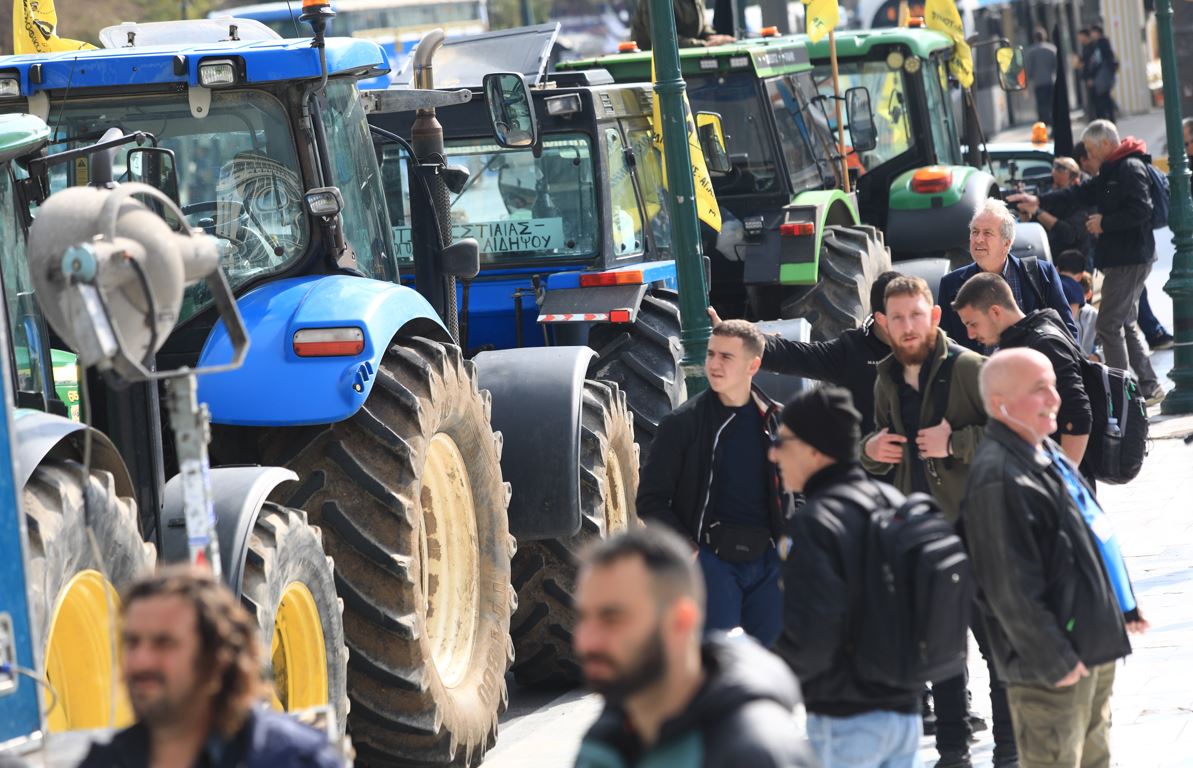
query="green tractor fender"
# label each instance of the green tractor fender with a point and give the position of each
(929, 214)
(800, 244)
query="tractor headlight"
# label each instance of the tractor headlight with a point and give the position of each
(213, 74)
(10, 87)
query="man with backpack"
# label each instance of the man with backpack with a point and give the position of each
(1053, 588)
(840, 636)
(990, 315)
(1131, 198)
(1034, 283)
(928, 420)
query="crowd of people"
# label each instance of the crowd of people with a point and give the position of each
(761, 519)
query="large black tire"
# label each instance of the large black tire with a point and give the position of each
(284, 549)
(373, 484)
(644, 361)
(851, 257)
(545, 571)
(60, 558)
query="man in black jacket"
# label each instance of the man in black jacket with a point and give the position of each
(707, 477)
(1054, 622)
(816, 449)
(1125, 247)
(988, 310)
(671, 699)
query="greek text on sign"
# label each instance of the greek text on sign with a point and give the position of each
(500, 236)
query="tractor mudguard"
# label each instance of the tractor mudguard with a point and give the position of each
(237, 493)
(1031, 239)
(537, 398)
(778, 386)
(773, 258)
(275, 387)
(935, 223)
(40, 435)
(620, 289)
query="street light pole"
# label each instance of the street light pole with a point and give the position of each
(681, 196)
(1180, 221)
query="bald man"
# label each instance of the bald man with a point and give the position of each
(1054, 596)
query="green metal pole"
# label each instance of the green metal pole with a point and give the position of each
(1180, 220)
(681, 196)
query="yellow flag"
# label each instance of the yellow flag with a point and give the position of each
(942, 16)
(706, 200)
(35, 29)
(820, 16)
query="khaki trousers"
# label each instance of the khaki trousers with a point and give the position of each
(1064, 727)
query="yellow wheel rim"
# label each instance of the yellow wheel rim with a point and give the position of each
(450, 569)
(80, 663)
(297, 651)
(617, 516)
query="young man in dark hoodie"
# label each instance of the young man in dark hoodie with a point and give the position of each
(671, 699)
(1125, 247)
(817, 450)
(707, 478)
(988, 309)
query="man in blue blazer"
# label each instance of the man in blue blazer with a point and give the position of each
(1034, 283)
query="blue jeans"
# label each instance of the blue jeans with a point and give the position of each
(878, 739)
(745, 595)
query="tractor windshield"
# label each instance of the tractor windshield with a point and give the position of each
(803, 131)
(889, 100)
(518, 207)
(235, 166)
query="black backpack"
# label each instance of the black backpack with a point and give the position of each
(911, 618)
(1118, 438)
(1158, 184)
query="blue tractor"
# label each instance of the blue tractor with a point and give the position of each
(352, 381)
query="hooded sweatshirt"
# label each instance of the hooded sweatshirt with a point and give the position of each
(1121, 193)
(741, 716)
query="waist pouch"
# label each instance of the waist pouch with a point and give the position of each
(735, 543)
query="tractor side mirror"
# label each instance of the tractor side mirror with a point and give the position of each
(860, 119)
(712, 142)
(153, 166)
(461, 259)
(1012, 76)
(510, 110)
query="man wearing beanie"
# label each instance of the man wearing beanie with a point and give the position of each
(816, 449)
(708, 478)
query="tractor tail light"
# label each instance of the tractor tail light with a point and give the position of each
(329, 342)
(797, 229)
(619, 316)
(605, 279)
(931, 180)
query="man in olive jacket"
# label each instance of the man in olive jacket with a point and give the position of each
(690, 25)
(1048, 585)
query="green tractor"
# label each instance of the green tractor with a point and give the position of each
(792, 244)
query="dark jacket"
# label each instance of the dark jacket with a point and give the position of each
(1053, 298)
(964, 412)
(1121, 192)
(1069, 232)
(1044, 593)
(849, 360)
(676, 481)
(1043, 331)
(741, 716)
(690, 24)
(825, 563)
(267, 740)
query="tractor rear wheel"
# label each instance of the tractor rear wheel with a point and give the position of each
(545, 571)
(643, 360)
(289, 586)
(74, 589)
(409, 496)
(851, 257)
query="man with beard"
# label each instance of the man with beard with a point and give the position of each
(851, 721)
(671, 700)
(929, 418)
(192, 668)
(1035, 283)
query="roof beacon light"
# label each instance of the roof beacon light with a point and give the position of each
(915, 22)
(329, 342)
(769, 32)
(627, 46)
(1039, 133)
(931, 180)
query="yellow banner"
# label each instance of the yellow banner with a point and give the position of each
(942, 16)
(35, 29)
(706, 200)
(820, 16)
